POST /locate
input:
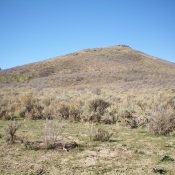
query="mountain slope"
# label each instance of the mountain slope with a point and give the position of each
(118, 65)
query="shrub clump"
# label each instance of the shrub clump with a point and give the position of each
(99, 111)
(8, 109)
(64, 111)
(32, 109)
(50, 134)
(129, 119)
(98, 106)
(75, 113)
(10, 132)
(101, 135)
(96, 109)
(98, 134)
(162, 121)
(71, 112)
(110, 116)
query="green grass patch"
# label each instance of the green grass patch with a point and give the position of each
(15, 78)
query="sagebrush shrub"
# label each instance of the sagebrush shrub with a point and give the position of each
(32, 108)
(128, 118)
(94, 117)
(75, 113)
(101, 135)
(108, 118)
(64, 111)
(162, 120)
(10, 132)
(99, 111)
(34, 112)
(98, 134)
(98, 106)
(7, 110)
(71, 112)
(50, 134)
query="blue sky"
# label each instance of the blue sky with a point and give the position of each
(34, 30)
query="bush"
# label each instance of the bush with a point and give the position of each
(108, 118)
(98, 106)
(70, 112)
(128, 118)
(31, 108)
(162, 121)
(75, 114)
(5, 114)
(34, 112)
(101, 135)
(98, 134)
(7, 110)
(64, 111)
(10, 132)
(99, 111)
(50, 134)
(94, 117)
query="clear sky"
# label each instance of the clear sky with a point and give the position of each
(33, 30)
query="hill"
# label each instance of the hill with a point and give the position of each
(119, 65)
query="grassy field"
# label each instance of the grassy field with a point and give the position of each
(129, 151)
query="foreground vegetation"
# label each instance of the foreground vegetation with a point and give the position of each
(84, 131)
(154, 108)
(128, 151)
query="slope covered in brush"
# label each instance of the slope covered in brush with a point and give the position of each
(118, 65)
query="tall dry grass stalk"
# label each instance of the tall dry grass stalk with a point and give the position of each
(50, 133)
